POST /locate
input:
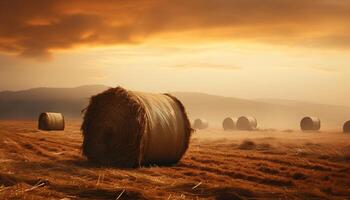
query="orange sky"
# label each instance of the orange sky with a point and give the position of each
(289, 49)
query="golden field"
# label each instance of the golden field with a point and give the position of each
(265, 164)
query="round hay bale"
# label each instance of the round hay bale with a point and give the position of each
(129, 129)
(346, 127)
(200, 124)
(229, 123)
(50, 121)
(310, 124)
(246, 123)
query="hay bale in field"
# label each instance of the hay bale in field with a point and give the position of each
(229, 123)
(310, 124)
(200, 124)
(130, 129)
(346, 127)
(246, 123)
(50, 121)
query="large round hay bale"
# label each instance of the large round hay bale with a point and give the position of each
(50, 121)
(310, 124)
(246, 123)
(346, 127)
(200, 124)
(129, 129)
(229, 123)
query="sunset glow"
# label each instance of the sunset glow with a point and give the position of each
(285, 49)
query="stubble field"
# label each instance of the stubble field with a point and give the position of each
(218, 165)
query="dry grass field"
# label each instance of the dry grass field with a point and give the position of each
(218, 165)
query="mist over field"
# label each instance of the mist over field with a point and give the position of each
(270, 113)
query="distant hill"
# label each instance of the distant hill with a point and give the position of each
(282, 114)
(27, 104)
(270, 113)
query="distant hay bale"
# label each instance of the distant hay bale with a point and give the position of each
(310, 124)
(130, 129)
(229, 123)
(200, 124)
(346, 127)
(50, 121)
(246, 123)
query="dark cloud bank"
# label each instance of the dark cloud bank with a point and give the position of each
(34, 28)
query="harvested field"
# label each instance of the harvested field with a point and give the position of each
(218, 165)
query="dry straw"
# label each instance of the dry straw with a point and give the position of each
(50, 121)
(246, 123)
(310, 124)
(346, 127)
(229, 123)
(200, 124)
(130, 129)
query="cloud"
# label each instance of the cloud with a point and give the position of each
(206, 66)
(314, 68)
(324, 69)
(38, 27)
